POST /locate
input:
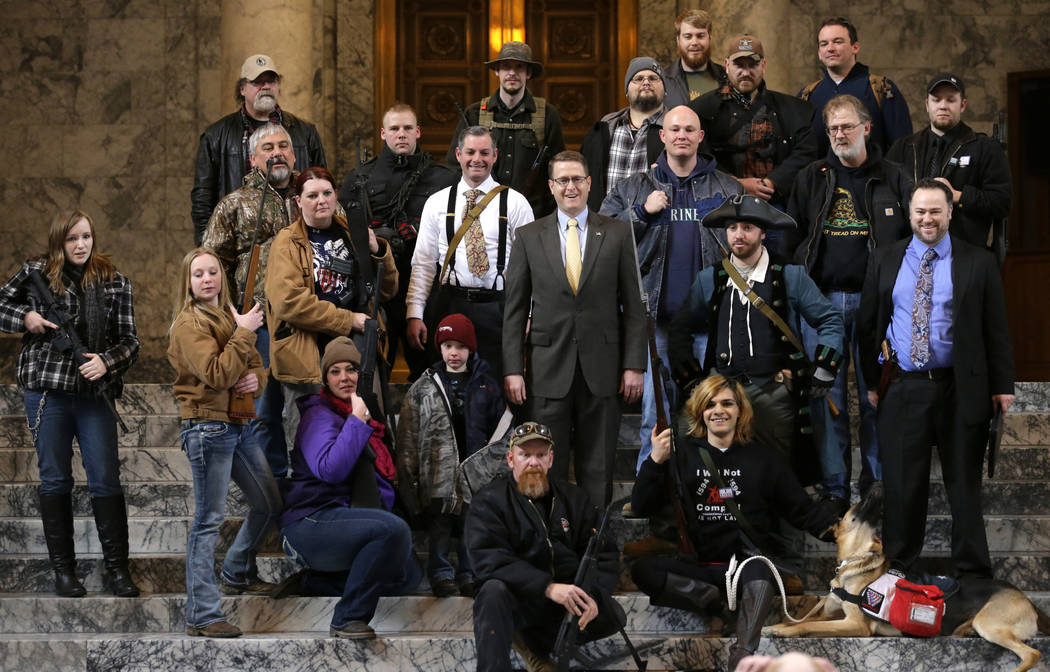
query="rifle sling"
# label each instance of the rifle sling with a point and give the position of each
(751, 533)
(469, 219)
(765, 308)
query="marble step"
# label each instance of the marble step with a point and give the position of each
(165, 573)
(137, 399)
(159, 499)
(409, 614)
(315, 652)
(1009, 533)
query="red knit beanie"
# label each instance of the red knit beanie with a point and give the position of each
(456, 327)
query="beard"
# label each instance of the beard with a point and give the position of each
(533, 483)
(280, 174)
(693, 62)
(265, 103)
(848, 152)
(646, 101)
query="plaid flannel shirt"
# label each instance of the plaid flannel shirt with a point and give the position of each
(627, 151)
(41, 367)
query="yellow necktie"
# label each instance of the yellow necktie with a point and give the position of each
(572, 255)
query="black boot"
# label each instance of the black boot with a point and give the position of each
(111, 519)
(755, 599)
(56, 512)
(682, 592)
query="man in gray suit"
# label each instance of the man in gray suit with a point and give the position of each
(577, 274)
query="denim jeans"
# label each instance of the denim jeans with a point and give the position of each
(648, 395)
(267, 429)
(62, 417)
(832, 434)
(446, 530)
(373, 545)
(218, 451)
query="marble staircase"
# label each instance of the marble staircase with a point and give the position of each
(39, 631)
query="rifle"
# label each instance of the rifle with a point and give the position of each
(65, 338)
(370, 354)
(243, 405)
(565, 646)
(660, 387)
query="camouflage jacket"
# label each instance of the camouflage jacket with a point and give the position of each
(232, 226)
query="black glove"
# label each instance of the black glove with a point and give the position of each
(819, 389)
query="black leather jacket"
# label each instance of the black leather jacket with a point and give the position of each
(221, 157)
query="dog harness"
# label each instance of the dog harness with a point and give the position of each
(874, 600)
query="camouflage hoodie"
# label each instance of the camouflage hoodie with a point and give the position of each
(232, 226)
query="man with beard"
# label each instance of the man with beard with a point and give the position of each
(693, 73)
(223, 157)
(526, 536)
(933, 308)
(846, 206)
(665, 205)
(230, 232)
(971, 164)
(837, 47)
(627, 141)
(743, 343)
(470, 280)
(388, 193)
(762, 137)
(526, 130)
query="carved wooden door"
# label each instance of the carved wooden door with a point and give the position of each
(577, 42)
(441, 54)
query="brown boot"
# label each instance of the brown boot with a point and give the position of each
(649, 546)
(217, 629)
(533, 661)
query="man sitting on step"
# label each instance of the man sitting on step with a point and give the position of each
(526, 536)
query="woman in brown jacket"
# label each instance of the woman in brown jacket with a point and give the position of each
(320, 282)
(213, 352)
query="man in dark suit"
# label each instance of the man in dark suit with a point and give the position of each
(938, 303)
(577, 273)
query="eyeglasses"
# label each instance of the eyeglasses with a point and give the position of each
(526, 428)
(642, 79)
(564, 181)
(845, 128)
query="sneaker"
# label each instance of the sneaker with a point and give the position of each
(533, 662)
(254, 587)
(216, 629)
(444, 588)
(353, 630)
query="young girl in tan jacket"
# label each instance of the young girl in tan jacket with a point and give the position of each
(213, 352)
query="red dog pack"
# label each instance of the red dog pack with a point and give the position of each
(916, 609)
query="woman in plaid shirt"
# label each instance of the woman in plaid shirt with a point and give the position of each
(64, 400)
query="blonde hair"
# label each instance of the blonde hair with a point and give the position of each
(702, 395)
(98, 267)
(218, 316)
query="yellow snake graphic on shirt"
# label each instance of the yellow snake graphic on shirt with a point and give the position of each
(843, 219)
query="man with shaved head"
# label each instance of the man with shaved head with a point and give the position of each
(665, 205)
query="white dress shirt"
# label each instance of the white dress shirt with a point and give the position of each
(432, 242)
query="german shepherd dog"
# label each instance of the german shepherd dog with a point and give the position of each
(995, 610)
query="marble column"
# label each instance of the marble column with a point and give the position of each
(297, 36)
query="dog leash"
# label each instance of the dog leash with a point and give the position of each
(733, 577)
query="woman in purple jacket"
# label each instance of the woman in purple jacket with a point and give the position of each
(337, 501)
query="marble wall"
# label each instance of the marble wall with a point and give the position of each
(105, 99)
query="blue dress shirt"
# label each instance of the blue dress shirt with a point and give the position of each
(900, 328)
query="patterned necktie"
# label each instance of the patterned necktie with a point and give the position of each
(477, 252)
(921, 306)
(572, 254)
